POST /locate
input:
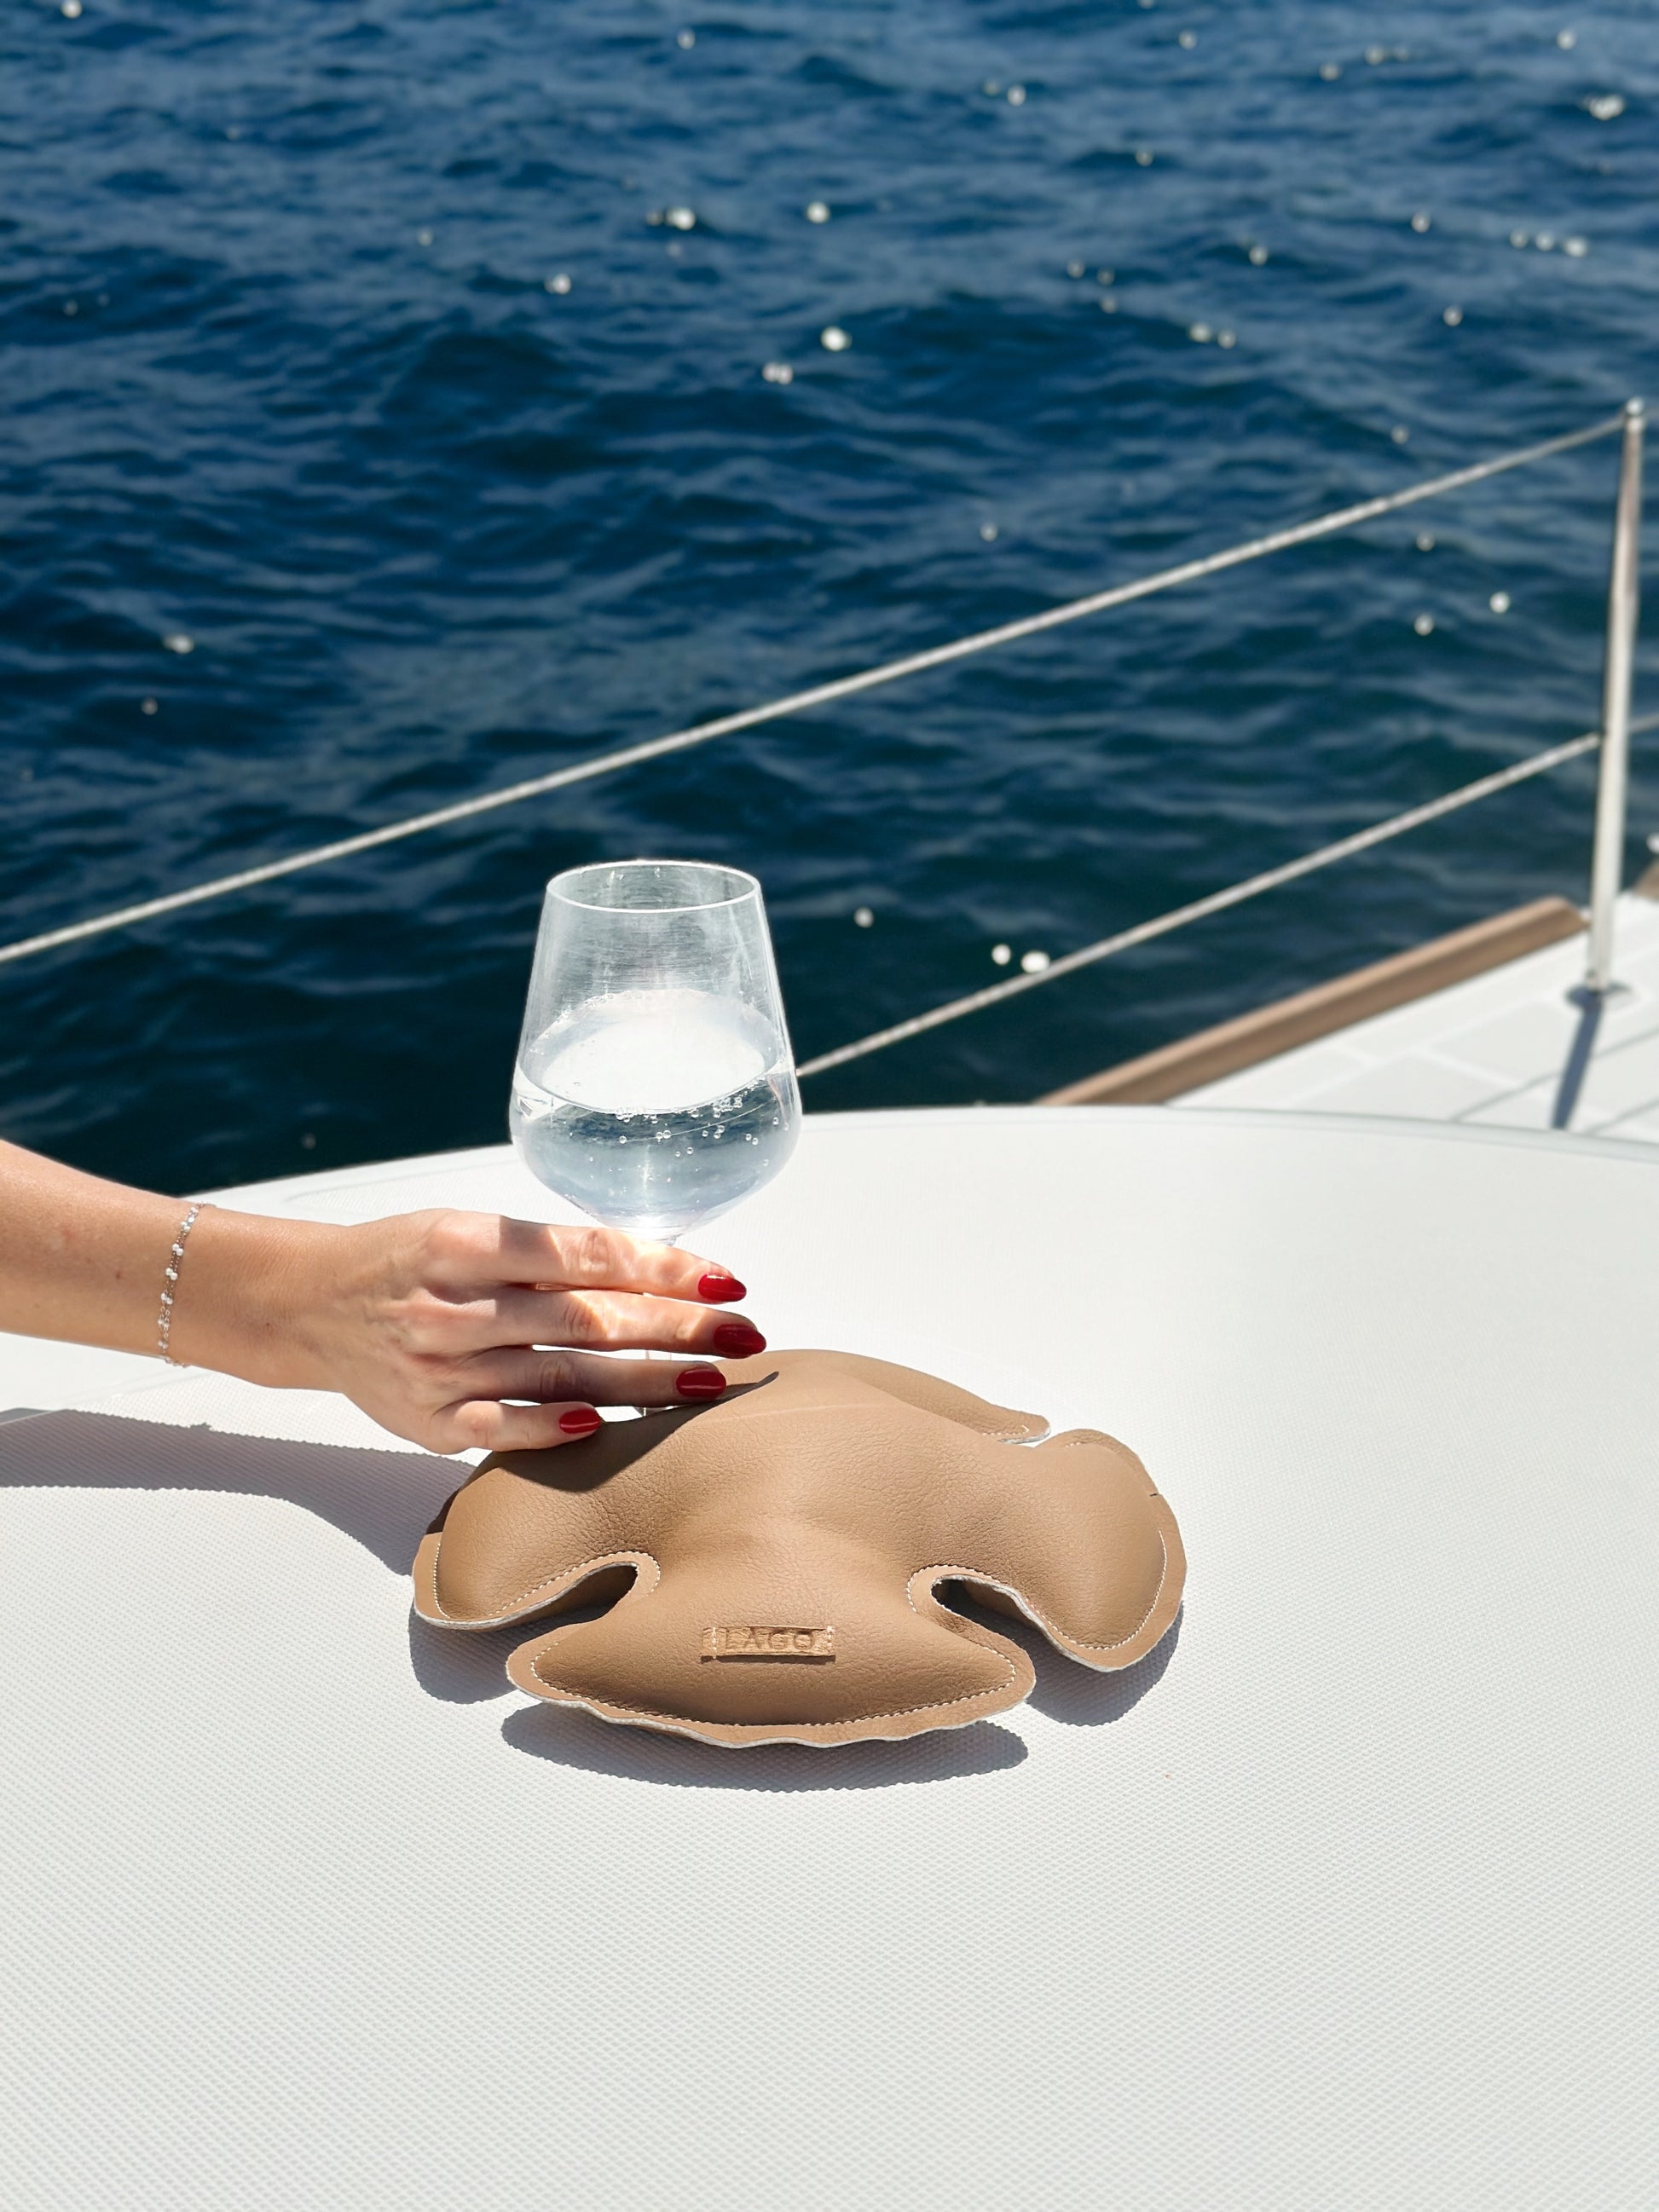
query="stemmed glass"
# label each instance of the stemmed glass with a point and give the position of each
(655, 1085)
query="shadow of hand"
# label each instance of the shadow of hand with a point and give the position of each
(383, 1500)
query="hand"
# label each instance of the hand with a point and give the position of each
(437, 1324)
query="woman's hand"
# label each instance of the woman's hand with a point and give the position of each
(458, 1329)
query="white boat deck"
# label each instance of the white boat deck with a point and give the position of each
(1342, 1900)
(1491, 1051)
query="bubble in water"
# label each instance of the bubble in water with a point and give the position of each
(1400, 434)
(1188, 39)
(1105, 276)
(1566, 40)
(990, 88)
(1258, 257)
(1016, 95)
(833, 338)
(655, 216)
(987, 531)
(1424, 625)
(148, 706)
(561, 283)
(1002, 954)
(679, 218)
(817, 211)
(1033, 962)
(1604, 105)
(1545, 242)
(686, 40)
(1500, 603)
(1143, 157)
(1451, 317)
(863, 916)
(70, 8)
(1108, 304)
(423, 238)
(1425, 541)
(777, 372)
(176, 641)
(72, 307)
(1376, 56)
(1200, 333)
(1330, 71)
(1578, 247)
(1520, 238)
(1419, 222)
(1226, 338)
(1074, 270)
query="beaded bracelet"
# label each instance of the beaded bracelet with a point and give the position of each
(164, 1319)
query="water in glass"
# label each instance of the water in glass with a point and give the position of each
(654, 1086)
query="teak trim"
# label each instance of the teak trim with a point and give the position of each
(1211, 1054)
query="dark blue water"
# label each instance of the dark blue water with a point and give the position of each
(283, 376)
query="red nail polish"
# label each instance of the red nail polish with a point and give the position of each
(700, 1382)
(580, 1421)
(720, 1290)
(738, 1339)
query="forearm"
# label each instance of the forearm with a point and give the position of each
(453, 1329)
(85, 1261)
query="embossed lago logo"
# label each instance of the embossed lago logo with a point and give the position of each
(758, 1642)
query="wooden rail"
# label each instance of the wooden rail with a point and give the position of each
(1271, 1029)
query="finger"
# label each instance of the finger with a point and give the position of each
(601, 1319)
(561, 1377)
(472, 1422)
(592, 1259)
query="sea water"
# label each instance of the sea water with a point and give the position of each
(654, 1110)
(462, 526)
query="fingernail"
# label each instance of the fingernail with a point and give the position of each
(580, 1421)
(720, 1290)
(738, 1339)
(700, 1382)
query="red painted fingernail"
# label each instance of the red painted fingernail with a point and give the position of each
(700, 1382)
(720, 1290)
(740, 1340)
(580, 1421)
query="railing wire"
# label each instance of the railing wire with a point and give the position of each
(992, 995)
(798, 702)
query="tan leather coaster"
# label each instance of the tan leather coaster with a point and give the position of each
(779, 1553)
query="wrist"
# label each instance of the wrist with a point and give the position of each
(249, 1299)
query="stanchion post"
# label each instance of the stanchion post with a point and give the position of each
(1607, 862)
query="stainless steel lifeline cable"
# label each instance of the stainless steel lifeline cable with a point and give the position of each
(1484, 787)
(819, 695)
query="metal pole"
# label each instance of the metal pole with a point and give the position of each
(1607, 862)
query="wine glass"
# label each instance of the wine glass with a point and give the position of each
(655, 1084)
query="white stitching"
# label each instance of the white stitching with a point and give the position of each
(548, 1581)
(856, 1720)
(1052, 1629)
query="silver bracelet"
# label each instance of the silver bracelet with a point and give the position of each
(164, 1319)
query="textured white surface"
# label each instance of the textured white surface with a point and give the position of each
(1490, 1051)
(1345, 1902)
